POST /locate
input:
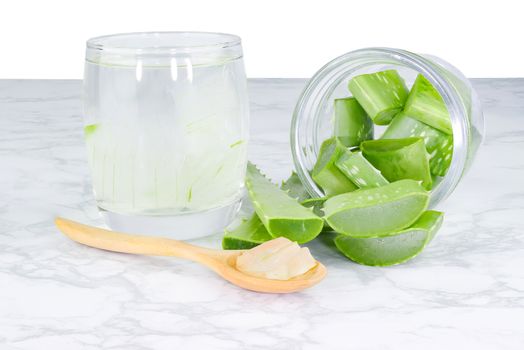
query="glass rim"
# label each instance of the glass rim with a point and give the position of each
(215, 41)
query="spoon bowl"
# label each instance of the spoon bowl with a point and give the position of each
(222, 262)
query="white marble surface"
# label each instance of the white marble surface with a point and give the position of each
(466, 291)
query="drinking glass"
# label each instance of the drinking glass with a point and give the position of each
(166, 127)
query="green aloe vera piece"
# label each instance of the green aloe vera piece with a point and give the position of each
(352, 124)
(282, 215)
(326, 174)
(361, 172)
(424, 103)
(438, 144)
(394, 248)
(399, 159)
(381, 94)
(248, 234)
(294, 188)
(377, 211)
(90, 129)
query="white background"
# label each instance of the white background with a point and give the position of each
(284, 38)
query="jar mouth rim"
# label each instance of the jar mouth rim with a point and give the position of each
(163, 42)
(318, 88)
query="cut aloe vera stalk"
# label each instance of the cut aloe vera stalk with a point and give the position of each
(361, 172)
(326, 174)
(248, 234)
(282, 215)
(381, 94)
(352, 124)
(438, 144)
(294, 188)
(377, 211)
(424, 103)
(399, 159)
(396, 247)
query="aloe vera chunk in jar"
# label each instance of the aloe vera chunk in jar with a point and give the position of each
(381, 94)
(352, 125)
(359, 170)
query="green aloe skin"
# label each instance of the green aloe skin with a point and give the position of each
(352, 124)
(381, 94)
(326, 174)
(425, 104)
(399, 159)
(282, 215)
(438, 144)
(361, 172)
(377, 211)
(393, 248)
(248, 234)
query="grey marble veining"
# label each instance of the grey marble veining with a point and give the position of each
(465, 291)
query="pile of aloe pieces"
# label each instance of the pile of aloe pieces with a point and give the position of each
(376, 190)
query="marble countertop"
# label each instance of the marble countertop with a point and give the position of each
(465, 291)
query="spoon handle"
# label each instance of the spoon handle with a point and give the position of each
(133, 244)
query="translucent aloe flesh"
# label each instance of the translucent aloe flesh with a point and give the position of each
(438, 144)
(381, 94)
(361, 172)
(399, 159)
(394, 248)
(248, 234)
(282, 215)
(424, 103)
(352, 124)
(377, 211)
(326, 174)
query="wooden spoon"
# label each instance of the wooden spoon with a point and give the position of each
(223, 262)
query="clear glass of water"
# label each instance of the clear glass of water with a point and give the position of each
(166, 128)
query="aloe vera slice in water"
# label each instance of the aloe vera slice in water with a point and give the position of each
(399, 159)
(377, 211)
(361, 172)
(326, 174)
(90, 129)
(438, 144)
(282, 215)
(381, 94)
(352, 124)
(248, 234)
(394, 248)
(424, 103)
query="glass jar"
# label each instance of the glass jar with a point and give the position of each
(166, 127)
(313, 115)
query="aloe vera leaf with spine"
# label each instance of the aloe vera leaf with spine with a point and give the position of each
(424, 103)
(282, 215)
(377, 211)
(438, 144)
(359, 170)
(248, 234)
(381, 94)
(352, 124)
(326, 174)
(399, 159)
(295, 188)
(394, 248)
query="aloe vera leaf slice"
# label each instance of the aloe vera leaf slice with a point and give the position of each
(282, 215)
(361, 172)
(394, 248)
(326, 174)
(399, 159)
(352, 124)
(377, 211)
(295, 188)
(248, 234)
(381, 94)
(424, 103)
(438, 144)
